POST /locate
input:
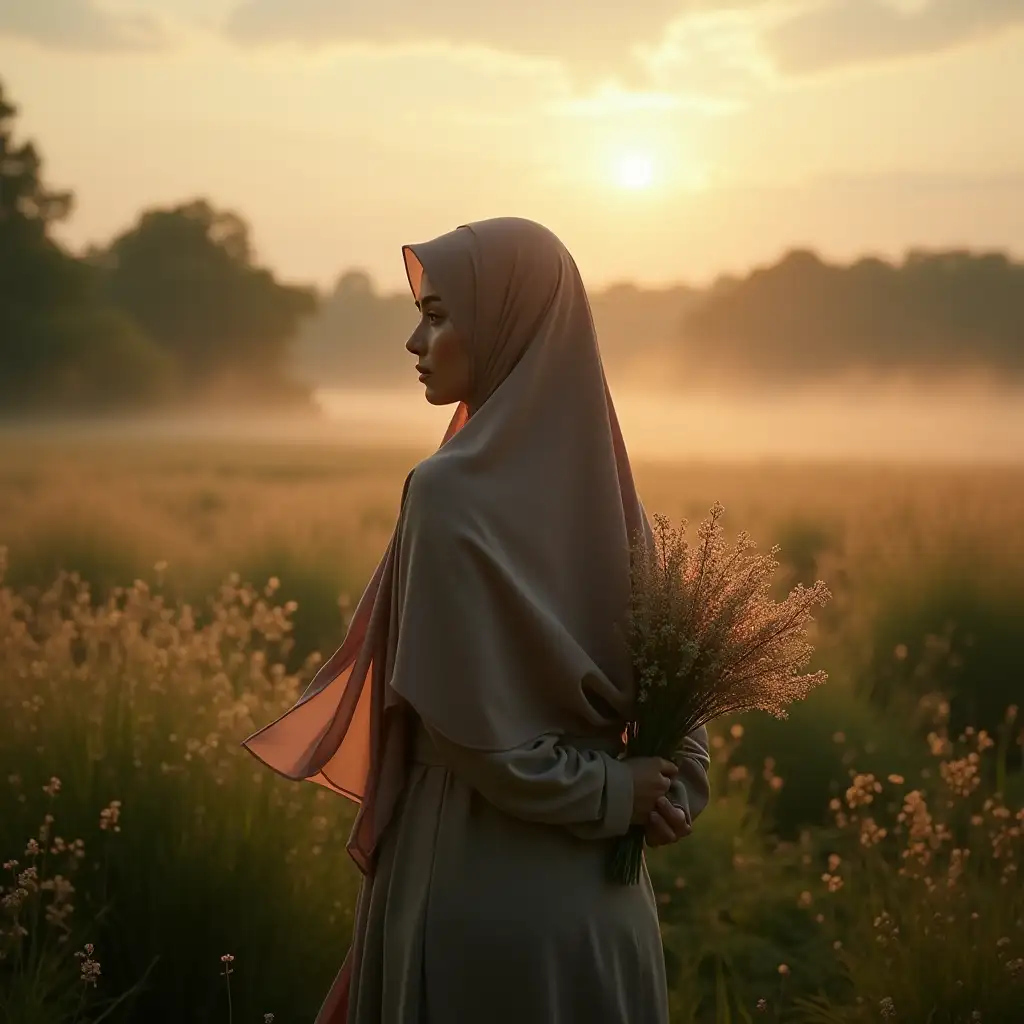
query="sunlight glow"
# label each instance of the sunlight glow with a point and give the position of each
(634, 171)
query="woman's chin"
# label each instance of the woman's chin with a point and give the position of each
(437, 397)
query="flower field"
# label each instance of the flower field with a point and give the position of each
(860, 861)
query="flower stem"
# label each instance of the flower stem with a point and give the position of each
(627, 857)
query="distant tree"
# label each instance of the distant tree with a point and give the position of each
(60, 349)
(936, 314)
(187, 276)
(358, 337)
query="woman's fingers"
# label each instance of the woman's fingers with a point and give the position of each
(674, 819)
(659, 832)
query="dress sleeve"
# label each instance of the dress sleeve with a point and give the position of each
(690, 790)
(587, 791)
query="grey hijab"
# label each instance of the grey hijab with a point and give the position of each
(496, 611)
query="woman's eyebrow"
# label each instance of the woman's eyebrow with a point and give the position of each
(427, 299)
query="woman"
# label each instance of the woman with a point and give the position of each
(476, 708)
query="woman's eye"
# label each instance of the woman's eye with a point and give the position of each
(434, 318)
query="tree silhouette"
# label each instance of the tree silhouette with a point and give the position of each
(938, 313)
(186, 275)
(60, 349)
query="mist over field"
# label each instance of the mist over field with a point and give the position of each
(867, 423)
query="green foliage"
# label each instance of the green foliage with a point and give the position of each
(807, 757)
(86, 360)
(953, 628)
(730, 910)
(103, 558)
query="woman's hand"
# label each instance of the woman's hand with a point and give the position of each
(666, 824)
(652, 777)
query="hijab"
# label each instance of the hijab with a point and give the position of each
(496, 611)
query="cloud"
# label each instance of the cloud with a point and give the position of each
(842, 33)
(601, 40)
(79, 25)
(714, 54)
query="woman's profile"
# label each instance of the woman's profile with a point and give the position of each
(476, 707)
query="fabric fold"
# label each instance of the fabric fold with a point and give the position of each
(496, 612)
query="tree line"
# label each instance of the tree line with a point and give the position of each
(802, 320)
(175, 311)
(172, 312)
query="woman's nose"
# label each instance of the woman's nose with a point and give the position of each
(414, 344)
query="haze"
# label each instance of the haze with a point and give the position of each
(341, 131)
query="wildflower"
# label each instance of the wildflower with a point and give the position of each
(109, 817)
(89, 968)
(962, 776)
(14, 899)
(805, 899)
(870, 833)
(268, 1018)
(227, 960)
(887, 1008)
(52, 788)
(784, 969)
(736, 732)
(896, 780)
(32, 849)
(863, 790)
(762, 1005)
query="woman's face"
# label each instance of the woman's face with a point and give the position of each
(443, 361)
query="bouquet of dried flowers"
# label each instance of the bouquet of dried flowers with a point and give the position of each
(706, 639)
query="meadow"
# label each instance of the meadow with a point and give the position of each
(159, 600)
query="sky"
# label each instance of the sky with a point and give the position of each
(663, 140)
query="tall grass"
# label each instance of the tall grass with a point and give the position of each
(137, 710)
(132, 682)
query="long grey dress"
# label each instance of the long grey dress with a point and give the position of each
(490, 900)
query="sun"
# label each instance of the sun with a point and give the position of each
(634, 171)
